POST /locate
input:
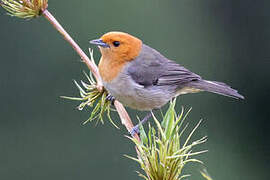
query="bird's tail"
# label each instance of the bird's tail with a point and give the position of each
(216, 87)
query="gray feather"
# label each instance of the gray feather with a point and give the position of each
(216, 87)
(152, 70)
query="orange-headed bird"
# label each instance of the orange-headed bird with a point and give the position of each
(141, 78)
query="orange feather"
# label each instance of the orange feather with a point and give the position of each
(114, 58)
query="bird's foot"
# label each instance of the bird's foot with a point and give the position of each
(110, 98)
(136, 129)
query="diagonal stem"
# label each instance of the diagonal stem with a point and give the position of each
(125, 119)
(75, 46)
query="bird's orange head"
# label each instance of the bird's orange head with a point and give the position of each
(117, 48)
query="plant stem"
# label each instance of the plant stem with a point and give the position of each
(75, 46)
(125, 119)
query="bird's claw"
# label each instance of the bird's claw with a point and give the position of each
(110, 98)
(135, 130)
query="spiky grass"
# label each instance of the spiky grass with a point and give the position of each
(24, 8)
(91, 96)
(160, 154)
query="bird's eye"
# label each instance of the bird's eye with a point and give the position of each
(116, 43)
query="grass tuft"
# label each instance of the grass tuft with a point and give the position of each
(161, 155)
(92, 97)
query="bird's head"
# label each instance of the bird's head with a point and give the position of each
(117, 49)
(118, 46)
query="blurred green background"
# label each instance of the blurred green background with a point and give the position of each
(42, 136)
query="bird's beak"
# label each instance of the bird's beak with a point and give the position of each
(99, 42)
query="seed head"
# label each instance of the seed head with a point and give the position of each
(24, 8)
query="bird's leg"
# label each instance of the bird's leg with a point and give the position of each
(136, 129)
(110, 98)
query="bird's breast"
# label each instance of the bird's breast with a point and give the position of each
(136, 96)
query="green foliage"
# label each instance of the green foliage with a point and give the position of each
(91, 96)
(160, 153)
(24, 8)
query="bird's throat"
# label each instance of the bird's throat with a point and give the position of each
(109, 69)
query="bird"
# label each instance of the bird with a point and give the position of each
(142, 78)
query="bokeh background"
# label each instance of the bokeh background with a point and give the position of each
(42, 136)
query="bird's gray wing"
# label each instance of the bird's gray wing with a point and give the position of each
(176, 74)
(151, 68)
